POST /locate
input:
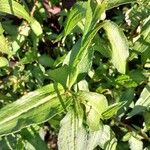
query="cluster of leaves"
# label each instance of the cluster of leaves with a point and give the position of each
(84, 71)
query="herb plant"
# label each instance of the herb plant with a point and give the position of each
(75, 78)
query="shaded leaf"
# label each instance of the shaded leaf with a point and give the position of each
(136, 14)
(144, 99)
(59, 75)
(31, 136)
(46, 60)
(14, 8)
(138, 76)
(1, 29)
(101, 46)
(116, 3)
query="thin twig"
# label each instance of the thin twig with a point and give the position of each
(34, 8)
(130, 129)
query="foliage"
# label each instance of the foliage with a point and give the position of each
(75, 79)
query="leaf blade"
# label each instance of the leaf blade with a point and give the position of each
(32, 108)
(119, 44)
(14, 8)
(3, 62)
(95, 105)
(72, 135)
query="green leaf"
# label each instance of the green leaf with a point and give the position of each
(94, 13)
(93, 118)
(142, 43)
(72, 135)
(105, 138)
(116, 3)
(11, 142)
(144, 99)
(30, 56)
(32, 136)
(19, 39)
(95, 105)
(1, 29)
(119, 45)
(3, 62)
(136, 14)
(76, 14)
(135, 143)
(127, 96)
(101, 46)
(3, 43)
(138, 76)
(46, 60)
(146, 59)
(142, 103)
(36, 27)
(9, 27)
(83, 58)
(59, 75)
(35, 107)
(147, 119)
(99, 12)
(97, 101)
(112, 110)
(14, 8)
(88, 18)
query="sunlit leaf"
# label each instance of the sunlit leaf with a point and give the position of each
(72, 134)
(135, 143)
(119, 45)
(83, 59)
(142, 103)
(3, 62)
(142, 43)
(33, 108)
(105, 138)
(95, 105)
(75, 15)
(3, 43)
(112, 110)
